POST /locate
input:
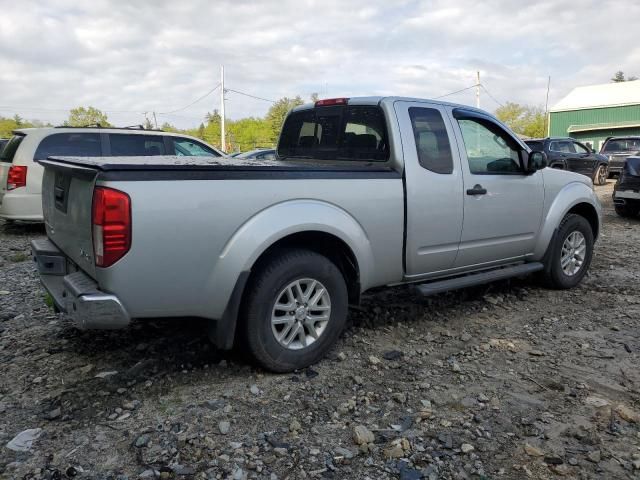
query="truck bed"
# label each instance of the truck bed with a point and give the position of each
(198, 222)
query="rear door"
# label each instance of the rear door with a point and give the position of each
(433, 179)
(581, 160)
(502, 205)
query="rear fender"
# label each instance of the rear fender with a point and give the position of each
(274, 223)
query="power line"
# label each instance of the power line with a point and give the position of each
(192, 103)
(249, 95)
(491, 96)
(457, 91)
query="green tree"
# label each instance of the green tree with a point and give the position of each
(619, 77)
(277, 113)
(167, 127)
(81, 116)
(522, 119)
(8, 125)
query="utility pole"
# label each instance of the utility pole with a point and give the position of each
(155, 120)
(547, 125)
(477, 89)
(222, 132)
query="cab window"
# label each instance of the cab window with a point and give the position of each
(490, 151)
(335, 132)
(432, 140)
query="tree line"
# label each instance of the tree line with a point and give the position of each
(255, 132)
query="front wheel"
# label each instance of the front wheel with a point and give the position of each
(600, 176)
(571, 253)
(295, 309)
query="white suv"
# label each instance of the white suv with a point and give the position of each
(21, 176)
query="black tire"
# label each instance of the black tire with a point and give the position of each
(600, 175)
(627, 211)
(554, 275)
(264, 290)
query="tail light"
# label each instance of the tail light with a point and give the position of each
(17, 177)
(111, 219)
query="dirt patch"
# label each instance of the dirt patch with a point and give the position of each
(505, 381)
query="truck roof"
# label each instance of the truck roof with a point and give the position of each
(377, 100)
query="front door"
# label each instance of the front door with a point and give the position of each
(433, 180)
(502, 205)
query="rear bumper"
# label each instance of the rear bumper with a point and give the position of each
(75, 293)
(21, 206)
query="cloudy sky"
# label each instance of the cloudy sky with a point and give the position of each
(131, 57)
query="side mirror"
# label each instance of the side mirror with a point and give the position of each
(535, 161)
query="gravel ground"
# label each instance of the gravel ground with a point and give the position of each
(505, 381)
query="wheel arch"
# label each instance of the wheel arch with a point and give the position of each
(326, 229)
(576, 198)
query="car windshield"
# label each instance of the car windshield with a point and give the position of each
(622, 145)
(9, 150)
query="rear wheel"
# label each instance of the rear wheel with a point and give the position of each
(571, 253)
(627, 210)
(295, 309)
(601, 175)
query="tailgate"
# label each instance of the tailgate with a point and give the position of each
(67, 197)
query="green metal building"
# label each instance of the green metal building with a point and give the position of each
(591, 114)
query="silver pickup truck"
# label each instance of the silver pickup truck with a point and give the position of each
(365, 192)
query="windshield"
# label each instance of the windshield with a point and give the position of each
(622, 145)
(9, 150)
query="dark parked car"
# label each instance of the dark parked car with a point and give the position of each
(259, 154)
(618, 149)
(626, 193)
(566, 153)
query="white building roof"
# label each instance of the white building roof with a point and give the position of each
(599, 96)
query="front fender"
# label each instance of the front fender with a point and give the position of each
(566, 198)
(274, 223)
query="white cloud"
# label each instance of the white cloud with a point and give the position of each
(129, 57)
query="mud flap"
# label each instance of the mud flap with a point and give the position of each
(222, 332)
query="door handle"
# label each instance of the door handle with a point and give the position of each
(477, 190)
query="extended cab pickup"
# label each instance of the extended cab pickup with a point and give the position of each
(366, 192)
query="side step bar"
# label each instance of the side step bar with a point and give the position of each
(479, 278)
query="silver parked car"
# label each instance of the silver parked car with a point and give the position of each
(366, 192)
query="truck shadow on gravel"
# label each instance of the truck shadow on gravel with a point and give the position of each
(161, 346)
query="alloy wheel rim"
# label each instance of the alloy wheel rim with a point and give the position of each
(602, 175)
(573, 253)
(300, 313)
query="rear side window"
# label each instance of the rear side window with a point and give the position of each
(432, 140)
(123, 145)
(8, 152)
(336, 133)
(185, 147)
(69, 145)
